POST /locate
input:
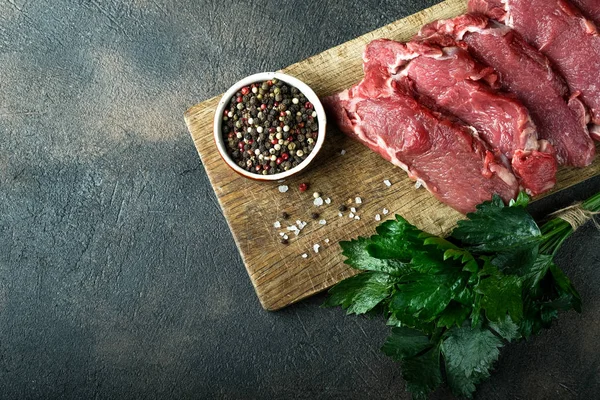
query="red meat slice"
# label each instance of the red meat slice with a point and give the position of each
(525, 72)
(442, 154)
(563, 34)
(589, 8)
(447, 78)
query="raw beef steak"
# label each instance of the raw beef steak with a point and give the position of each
(524, 71)
(563, 34)
(442, 154)
(445, 77)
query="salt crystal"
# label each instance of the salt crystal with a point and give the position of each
(358, 200)
(326, 240)
(298, 222)
(351, 215)
(357, 217)
(322, 222)
(343, 152)
(292, 228)
(281, 233)
(418, 184)
(318, 201)
(353, 209)
(304, 255)
(387, 183)
(328, 201)
(385, 211)
(286, 237)
(316, 247)
(283, 188)
(277, 224)
(340, 215)
(377, 217)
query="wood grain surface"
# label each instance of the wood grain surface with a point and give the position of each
(279, 273)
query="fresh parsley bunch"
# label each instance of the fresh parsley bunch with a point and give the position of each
(454, 302)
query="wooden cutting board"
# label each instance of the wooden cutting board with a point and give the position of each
(279, 273)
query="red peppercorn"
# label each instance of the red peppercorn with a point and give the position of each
(276, 104)
(245, 90)
(272, 130)
(303, 187)
(267, 167)
(270, 83)
(225, 113)
(239, 99)
(274, 141)
(285, 156)
(263, 106)
(258, 167)
(308, 105)
(282, 114)
(290, 139)
(241, 144)
(301, 125)
(250, 141)
(230, 135)
(279, 160)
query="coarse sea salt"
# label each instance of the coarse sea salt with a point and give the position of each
(277, 224)
(353, 209)
(385, 211)
(351, 215)
(326, 240)
(343, 152)
(377, 217)
(283, 188)
(356, 217)
(387, 183)
(318, 201)
(316, 247)
(304, 255)
(323, 222)
(358, 200)
(328, 201)
(281, 233)
(418, 184)
(340, 215)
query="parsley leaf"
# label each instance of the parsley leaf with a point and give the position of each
(422, 373)
(509, 232)
(501, 295)
(358, 257)
(469, 355)
(405, 342)
(506, 328)
(361, 293)
(454, 314)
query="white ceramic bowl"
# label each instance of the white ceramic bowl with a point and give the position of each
(261, 77)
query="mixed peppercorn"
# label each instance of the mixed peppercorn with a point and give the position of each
(269, 127)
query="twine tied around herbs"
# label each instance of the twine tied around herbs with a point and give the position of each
(576, 216)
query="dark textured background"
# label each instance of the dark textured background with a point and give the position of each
(118, 275)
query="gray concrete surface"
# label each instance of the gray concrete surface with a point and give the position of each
(118, 275)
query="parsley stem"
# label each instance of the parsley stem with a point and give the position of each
(557, 230)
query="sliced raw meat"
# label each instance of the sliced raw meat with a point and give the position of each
(525, 72)
(448, 79)
(589, 8)
(451, 163)
(563, 34)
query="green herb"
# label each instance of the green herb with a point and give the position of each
(456, 301)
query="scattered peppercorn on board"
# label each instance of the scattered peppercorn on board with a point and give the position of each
(344, 170)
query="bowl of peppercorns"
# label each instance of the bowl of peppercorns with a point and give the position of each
(269, 126)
